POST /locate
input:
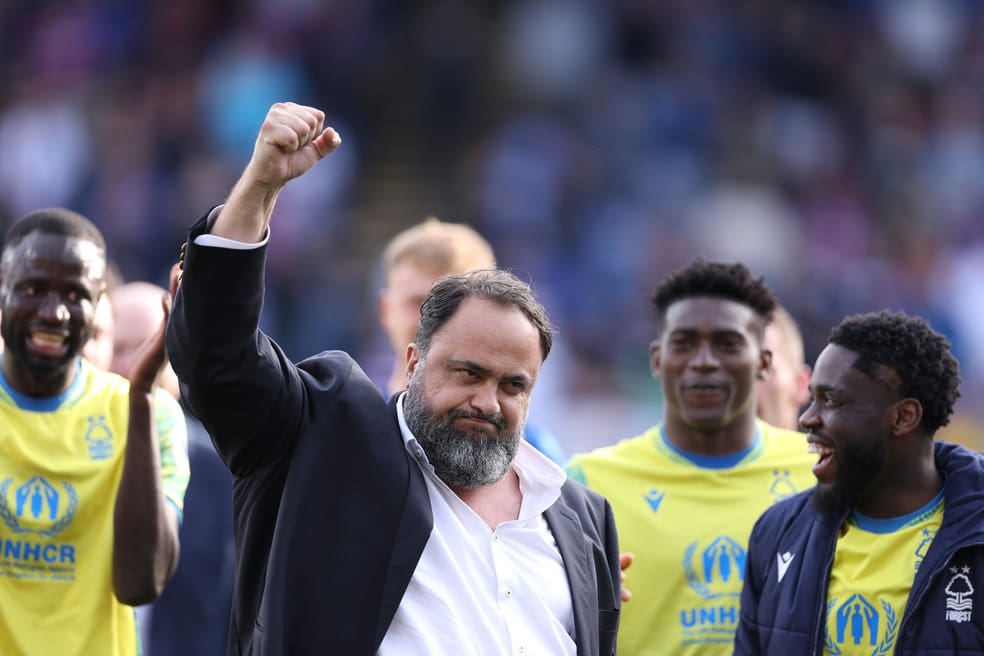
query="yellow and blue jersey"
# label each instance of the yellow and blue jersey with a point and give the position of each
(874, 565)
(687, 518)
(61, 459)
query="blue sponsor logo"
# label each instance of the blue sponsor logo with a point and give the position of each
(38, 552)
(856, 622)
(715, 573)
(39, 507)
(704, 617)
(721, 568)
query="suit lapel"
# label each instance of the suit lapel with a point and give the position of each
(567, 531)
(412, 533)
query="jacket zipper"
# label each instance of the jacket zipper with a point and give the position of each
(822, 596)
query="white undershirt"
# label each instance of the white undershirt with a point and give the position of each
(478, 592)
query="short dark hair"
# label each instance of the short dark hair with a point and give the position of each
(55, 221)
(733, 282)
(494, 285)
(919, 355)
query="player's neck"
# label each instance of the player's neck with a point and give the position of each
(901, 487)
(29, 383)
(718, 441)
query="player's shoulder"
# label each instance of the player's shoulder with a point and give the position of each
(783, 443)
(612, 456)
(99, 383)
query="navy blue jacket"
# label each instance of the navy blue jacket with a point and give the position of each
(787, 617)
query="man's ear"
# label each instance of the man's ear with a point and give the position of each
(414, 358)
(906, 416)
(382, 302)
(803, 377)
(764, 364)
(654, 355)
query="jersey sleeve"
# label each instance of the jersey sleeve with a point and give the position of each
(172, 436)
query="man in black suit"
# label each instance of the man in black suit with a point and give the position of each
(419, 526)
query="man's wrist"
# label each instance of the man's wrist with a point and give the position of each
(215, 241)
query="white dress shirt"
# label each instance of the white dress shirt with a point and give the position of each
(483, 592)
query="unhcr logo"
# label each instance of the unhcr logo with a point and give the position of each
(721, 568)
(38, 506)
(856, 622)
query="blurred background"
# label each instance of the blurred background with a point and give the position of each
(836, 147)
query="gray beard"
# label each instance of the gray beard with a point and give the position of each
(461, 460)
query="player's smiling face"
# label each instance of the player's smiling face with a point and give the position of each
(708, 358)
(848, 425)
(47, 297)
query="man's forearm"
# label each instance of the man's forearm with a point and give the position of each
(145, 538)
(246, 214)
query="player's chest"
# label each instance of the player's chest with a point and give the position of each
(64, 440)
(57, 467)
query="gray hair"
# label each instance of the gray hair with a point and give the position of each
(494, 285)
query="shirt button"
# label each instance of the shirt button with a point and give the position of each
(522, 650)
(495, 538)
(508, 593)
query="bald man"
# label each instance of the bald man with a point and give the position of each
(138, 312)
(99, 349)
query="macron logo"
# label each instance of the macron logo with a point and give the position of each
(655, 498)
(783, 561)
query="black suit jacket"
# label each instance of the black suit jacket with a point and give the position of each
(331, 513)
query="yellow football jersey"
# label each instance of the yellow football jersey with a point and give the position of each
(874, 566)
(61, 459)
(687, 518)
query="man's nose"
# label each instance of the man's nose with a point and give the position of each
(809, 417)
(486, 398)
(53, 309)
(705, 357)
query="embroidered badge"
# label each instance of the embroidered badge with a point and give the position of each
(99, 438)
(959, 595)
(782, 485)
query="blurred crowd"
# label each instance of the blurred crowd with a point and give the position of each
(836, 147)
